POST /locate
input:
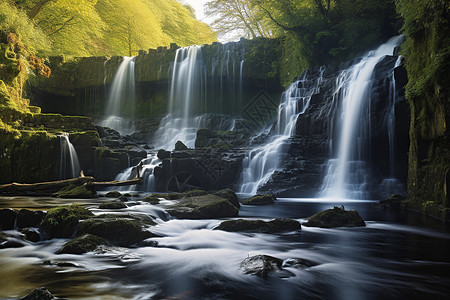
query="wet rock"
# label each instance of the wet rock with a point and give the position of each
(3, 237)
(260, 200)
(229, 195)
(298, 263)
(172, 196)
(220, 139)
(58, 263)
(41, 293)
(60, 222)
(28, 218)
(117, 231)
(125, 197)
(163, 154)
(179, 146)
(336, 217)
(274, 226)
(261, 265)
(75, 192)
(113, 194)
(112, 205)
(203, 207)
(12, 243)
(393, 202)
(31, 235)
(7, 218)
(152, 200)
(82, 244)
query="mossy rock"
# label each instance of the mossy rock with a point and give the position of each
(75, 192)
(336, 217)
(60, 222)
(229, 195)
(194, 193)
(117, 231)
(82, 244)
(88, 138)
(145, 219)
(113, 194)
(152, 200)
(393, 202)
(112, 205)
(274, 226)
(172, 196)
(260, 200)
(203, 207)
(29, 218)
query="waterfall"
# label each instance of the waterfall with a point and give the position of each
(262, 161)
(69, 166)
(121, 100)
(187, 100)
(346, 173)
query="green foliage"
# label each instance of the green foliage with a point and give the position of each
(102, 27)
(61, 221)
(15, 20)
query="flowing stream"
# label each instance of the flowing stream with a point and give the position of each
(391, 258)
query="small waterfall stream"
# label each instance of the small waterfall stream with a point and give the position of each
(69, 166)
(120, 106)
(262, 161)
(346, 175)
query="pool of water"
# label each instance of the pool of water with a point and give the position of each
(396, 256)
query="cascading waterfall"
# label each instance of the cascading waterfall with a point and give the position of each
(186, 100)
(69, 166)
(346, 174)
(121, 100)
(262, 161)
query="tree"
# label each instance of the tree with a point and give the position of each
(238, 16)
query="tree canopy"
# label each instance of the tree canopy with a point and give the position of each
(103, 27)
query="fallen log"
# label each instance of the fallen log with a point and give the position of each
(47, 187)
(51, 187)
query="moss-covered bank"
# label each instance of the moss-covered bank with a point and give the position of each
(427, 53)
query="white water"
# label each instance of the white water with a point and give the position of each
(186, 100)
(69, 166)
(346, 175)
(119, 111)
(261, 162)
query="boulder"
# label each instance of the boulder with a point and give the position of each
(7, 218)
(260, 200)
(336, 217)
(41, 293)
(393, 202)
(152, 200)
(31, 234)
(82, 244)
(60, 222)
(229, 195)
(203, 207)
(298, 263)
(261, 265)
(274, 226)
(117, 231)
(194, 193)
(179, 146)
(28, 218)
(113, 194)
(112, 205)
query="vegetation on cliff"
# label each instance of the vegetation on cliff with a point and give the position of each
(427, 54)
(102, 27)
(314, 32)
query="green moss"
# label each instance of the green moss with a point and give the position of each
(75, 192)
(60, 222)
(121, 232)
(260, 200)
(203, 207)
(112, 205)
